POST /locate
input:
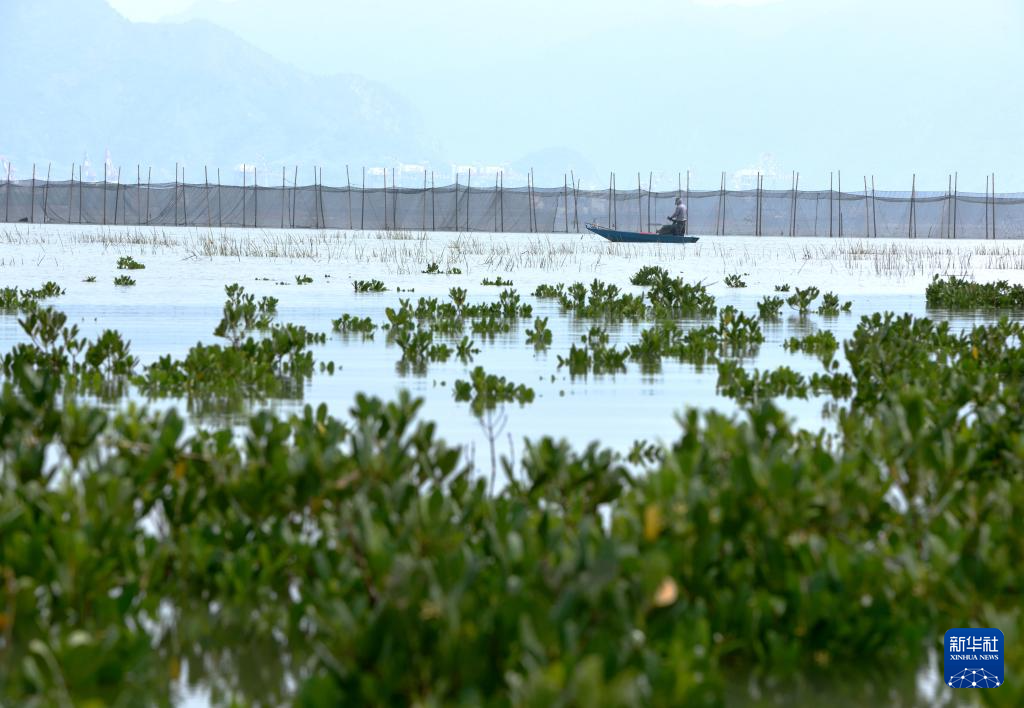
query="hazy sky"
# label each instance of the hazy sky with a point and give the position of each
(884, 87)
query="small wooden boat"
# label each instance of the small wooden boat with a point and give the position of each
(638, 236)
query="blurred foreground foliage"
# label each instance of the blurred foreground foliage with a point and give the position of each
(319, 561)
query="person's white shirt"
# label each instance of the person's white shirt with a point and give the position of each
(680, 213)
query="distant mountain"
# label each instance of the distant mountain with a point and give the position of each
(77, 79)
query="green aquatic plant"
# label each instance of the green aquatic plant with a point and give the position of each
(959, 293)
(129, 263)
(770, 307)
(368, 286)
(540, 335)
(497, 282)
(822, 344)
(594, 355)
(16, 299)
(485, 391)
(831, 306)
(784, 288)
(802, 298)
(466, 350)
(350, 324)
(549, 292)
(242, 314)
(735, 280)
(648, 275)
(749, 388)
(303, 280)
(124, 280)
(89, 279)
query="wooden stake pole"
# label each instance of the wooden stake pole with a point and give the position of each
(348, 191)
(501, 200)
(456, 200)
(839, 200)
(609, 200)
(874, 210)
(687, 199)
(245, 185)
(867, 212)
(830, 205)
(796, 198)
(639, 205)
(433, 209)
(175, 192)
(46, 193)
(138, 194)
(993, 205)
(324, 211)
(117, 197)
(575, 203)
(986, 207)
(955, 200)
(32, 203)
(565, 199)
(650, 187)
(495, 206)
(423, 221)
(362, 202)
(469, 187)
(295, 185)
(913, 196)
(385, 198)
(7, 193)
(615, 202)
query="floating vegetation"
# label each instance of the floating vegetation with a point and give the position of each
(735, 280)
(368, 286)
(129, 263)
(497, 282)
(784, 288)
(124, 280)
(485, 391)
(303, 280)
(89, 279)
(958, 293)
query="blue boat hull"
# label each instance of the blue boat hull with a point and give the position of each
(638, 236)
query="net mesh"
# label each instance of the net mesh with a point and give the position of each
(517, 210)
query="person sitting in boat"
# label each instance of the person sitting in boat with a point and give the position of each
(678, 219)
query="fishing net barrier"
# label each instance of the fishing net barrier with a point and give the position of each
(455, 207)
